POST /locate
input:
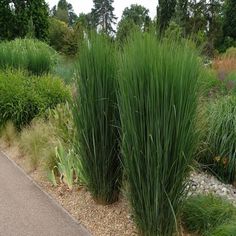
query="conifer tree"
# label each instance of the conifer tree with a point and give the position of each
(103, 15)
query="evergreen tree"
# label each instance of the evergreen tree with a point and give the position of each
(165, 12)
(38, 12)
(229, 25)
(138, 14)
(182, 15)
(64, 12)
(6, 20)
(103, 16)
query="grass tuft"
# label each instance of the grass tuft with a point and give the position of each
(157, 104)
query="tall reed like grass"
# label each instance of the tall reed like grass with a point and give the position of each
(28, 54)
(221, 138)
(95, 118)
(157, 102)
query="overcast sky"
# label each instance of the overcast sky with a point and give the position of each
(119, 5)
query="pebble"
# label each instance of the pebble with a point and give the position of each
(205, 183)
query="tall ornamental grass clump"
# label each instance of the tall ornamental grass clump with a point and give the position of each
(220, 138)
(157, 102)
(96, 116)
(27, 54)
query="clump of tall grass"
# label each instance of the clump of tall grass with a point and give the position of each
(157, 102)
(205, 214)
(220, 138)
(95, 116)
(228, 229)
(28, 54)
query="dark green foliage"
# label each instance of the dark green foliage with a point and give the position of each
(38, 12)
(6, 20)
(27, 54)
(221, 138)
(204, 213)
(229, 26)
(157, 103)
(134, 18)
(95, 114)
(64, 12)
(16, 14)
(165, 12)
(23, 97)
(103, 15)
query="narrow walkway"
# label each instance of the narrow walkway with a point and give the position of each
(25, 210)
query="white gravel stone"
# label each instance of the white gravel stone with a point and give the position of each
(204, 183)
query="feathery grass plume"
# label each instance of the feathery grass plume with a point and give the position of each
(96, 113)
(203, 213)
(220, 138)
(157, 102)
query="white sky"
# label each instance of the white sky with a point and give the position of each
(119, 5)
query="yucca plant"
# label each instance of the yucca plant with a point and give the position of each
(95, 113)
(157, 102)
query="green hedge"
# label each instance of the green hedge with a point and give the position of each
(23, 97)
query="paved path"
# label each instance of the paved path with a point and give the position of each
(25, 210)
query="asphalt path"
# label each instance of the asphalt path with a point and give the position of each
(25, 210)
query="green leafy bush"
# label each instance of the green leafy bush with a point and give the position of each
(28, 54)
(95, 116)
(157, 105)
(204, 213)
(23, 97)
(220, 138)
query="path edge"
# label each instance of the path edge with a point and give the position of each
(84, 230)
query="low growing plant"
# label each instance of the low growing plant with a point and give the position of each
(221, 138)
(207, 215)
(157, 102)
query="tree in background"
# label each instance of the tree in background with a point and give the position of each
(229, 24)
(16, 15)
(64, 12)
(165, 12)
(6, 20)
(135, 17)
(38, 13)
(103, 15)
(182, 14)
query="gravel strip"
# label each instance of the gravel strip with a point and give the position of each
(204, 183)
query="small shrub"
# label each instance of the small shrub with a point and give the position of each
(23, 97)
(221, 138)
(95, 115)
(28, 54)
(9, 133)
(36, 142)
(210, 85)
(203, 213)
(157, 102)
